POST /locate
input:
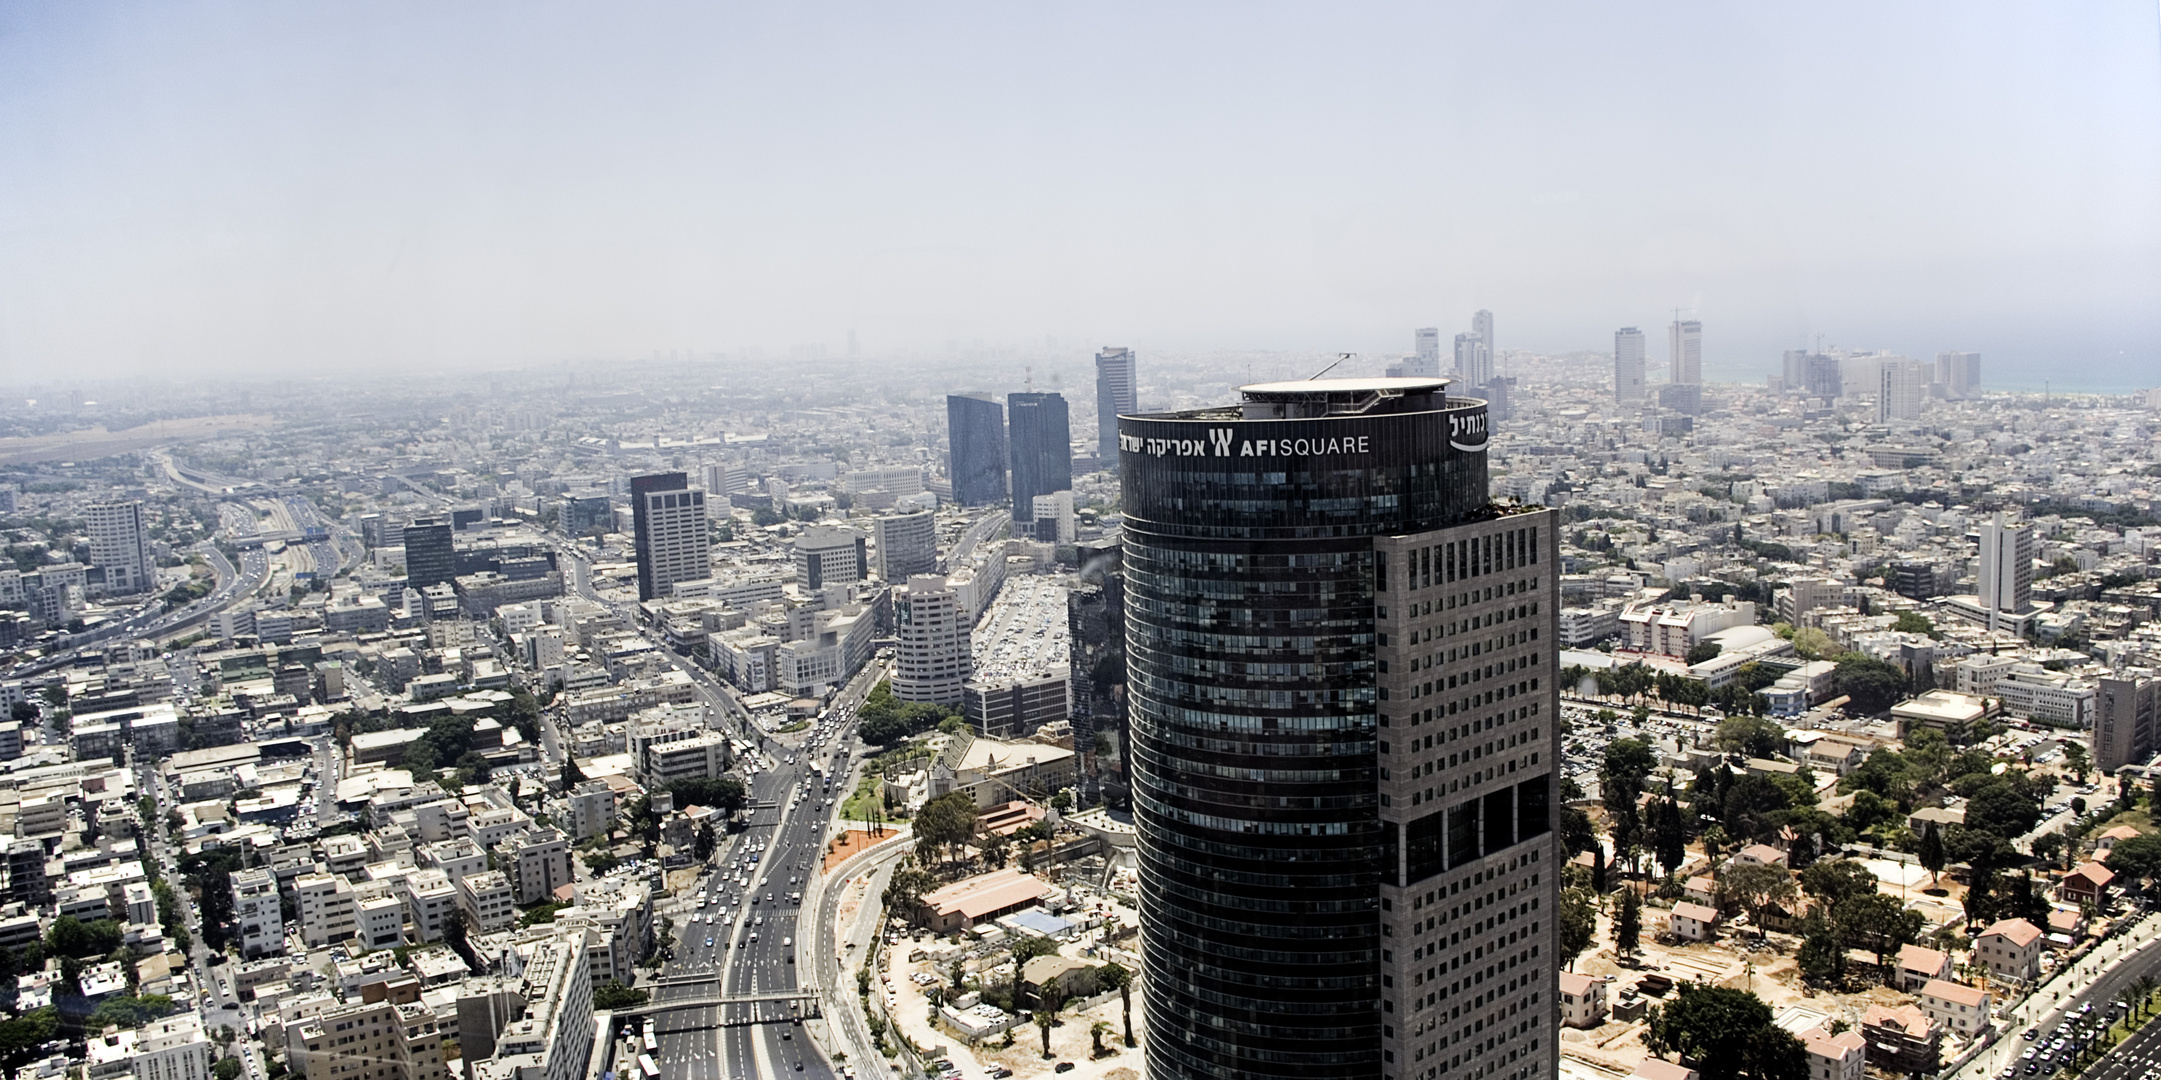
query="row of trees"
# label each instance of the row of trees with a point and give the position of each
(886, 719)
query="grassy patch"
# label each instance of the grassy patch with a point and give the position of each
(869, 792)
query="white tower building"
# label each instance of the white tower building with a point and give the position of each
(120, 545)
(935, 655)
(1628, 365)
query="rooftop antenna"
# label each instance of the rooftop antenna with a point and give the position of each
(1329, 368)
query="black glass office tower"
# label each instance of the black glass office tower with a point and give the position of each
(1042, 443)
(1341, 703)
(430, 558)
(975, 440)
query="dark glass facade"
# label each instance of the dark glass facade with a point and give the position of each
(1041, 435)
(975, 441)
(429, 556)
(1250, 572)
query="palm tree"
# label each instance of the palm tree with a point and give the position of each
(1116, 975)
(1096, 1031)
(1043, 1021)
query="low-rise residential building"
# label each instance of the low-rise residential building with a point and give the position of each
(2087, 885)
(1918, 965)
(258, 913)
(1902, 1040)
(490, 904)
(1960, 1009)
(1694, 922)
(1843, 1056)
(1583, 999)
(2011, 948)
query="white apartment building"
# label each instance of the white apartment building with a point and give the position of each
(907, 545)
(1901, 384)
(934, 657)
(2005, 573)
(1628, 374)
(490, 904)
(174, 1048)
(429, 899)
(373, 1041)
(382, 922)
(538, 862)
(555, 1038)
(120, 546)
(257, 912)
(592, 809)
(329, 909)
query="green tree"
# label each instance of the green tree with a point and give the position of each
(1669, 835)
(612, 995)
(1877, 923)
(1579, 924)
(1728, 1034)
(1932, 853)
(1822, 957)
(1872, 684)
(1750, 736)
(1628, 922)
(945, 825)
(2136, 857)
(1834, 881)
(227, 1068)
(2076, 759)
(1757, 887)
(1703, 650)
(1913, 622)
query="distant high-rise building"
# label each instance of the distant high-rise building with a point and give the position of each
(1482, 325)
(2124, 729)
(430, 558)
(934, 656)
(1117, 394)
(1041, 443)
(1628, 365)
(1474, 361)
(1425, 359)
(976, 458)
(2006, 571)
(829, 555)
(1684, 343)
(1323, 891)
(907, 545)
(1900, 385)
(670, 532)
(1959, 373)
(120, 546)
(722, 480)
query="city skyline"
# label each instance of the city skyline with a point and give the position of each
(262, 215)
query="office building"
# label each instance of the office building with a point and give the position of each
(830, 555)
(429, 557)
(907, 545)
(1041, 441)
(1900, 386)
(2006, 571)
(1959, 373)
(1482, 325)
(722, 479)
(668, 524)
(1474, 361)
(1628, 365)
(1054, 520)
(1117, 394)
(1342, 705)
(1684, 351)
(1425, 359)
(935, 654)
(120, 546)
(975, 448)
(2123, 730)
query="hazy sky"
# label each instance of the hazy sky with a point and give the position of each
(327, 187)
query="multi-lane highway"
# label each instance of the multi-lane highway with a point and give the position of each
(747, 940)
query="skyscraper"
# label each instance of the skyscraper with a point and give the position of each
(1900, 384)
(1959, 373)
(975, 437)
(1342, 706)
(1474, 361)
(1042, 449)
(1684, 350)
(1116, 395)
(430, 558)
(2006, 570)
(907, 545)
(1628, 365)
(1482, 325)
(120, 546)
(934, 657)
(673, 543)
(1425, 358)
